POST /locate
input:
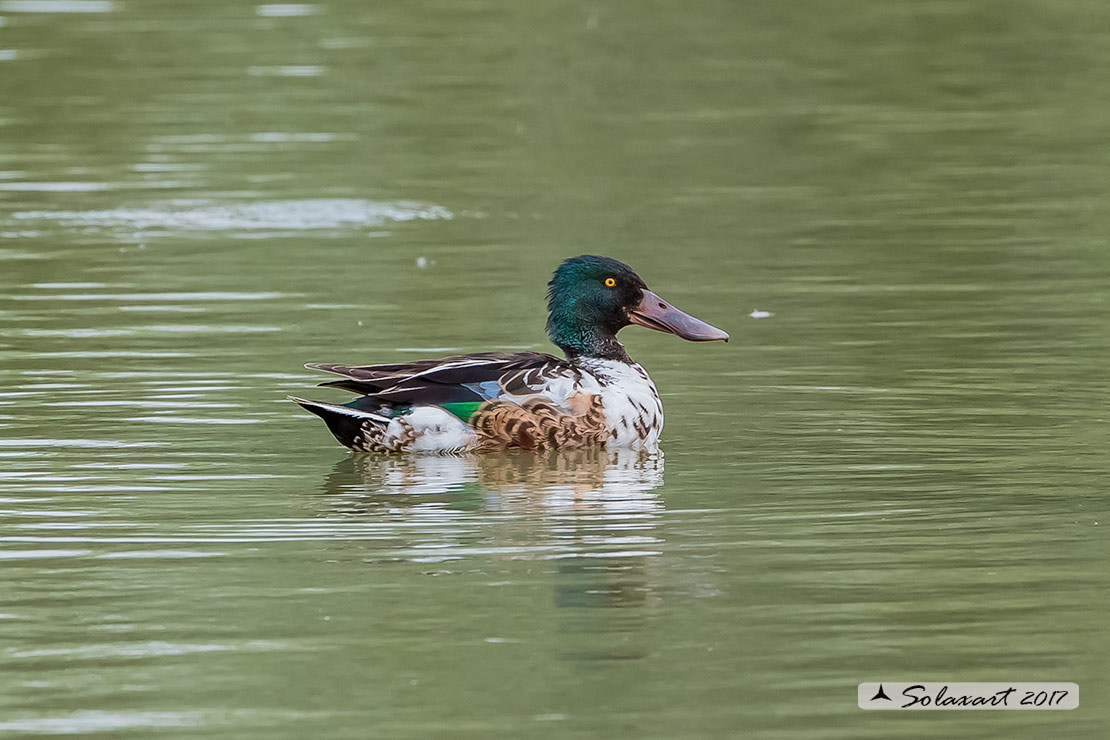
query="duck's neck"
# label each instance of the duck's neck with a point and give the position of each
(580, 344)
(614, 351)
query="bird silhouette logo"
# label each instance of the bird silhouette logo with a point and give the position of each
(880, 694)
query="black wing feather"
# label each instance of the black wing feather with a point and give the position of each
(435, 382)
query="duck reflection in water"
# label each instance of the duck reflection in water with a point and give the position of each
(592, 514)
(558, 481)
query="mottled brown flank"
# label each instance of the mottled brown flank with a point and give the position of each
(371, 438)
(535, 423)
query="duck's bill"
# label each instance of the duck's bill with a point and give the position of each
(655, 313)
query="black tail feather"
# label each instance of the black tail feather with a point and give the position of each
(346, 424)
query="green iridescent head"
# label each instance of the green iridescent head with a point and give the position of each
(591, 298)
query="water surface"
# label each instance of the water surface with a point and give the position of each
(899, 474)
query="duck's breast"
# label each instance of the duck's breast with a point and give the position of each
(633, 410)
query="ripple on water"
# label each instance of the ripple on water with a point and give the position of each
(283, 137)
(287, 70)
(41, 554)
(111, 354)
(95, 721)
(190, 420)
(285, 10)
(89, 333)
(193, 296)
(156, 649)
(54, 187)
(14, 254)
(68, 286)
(158, 555)
(163, 309)
(83, 443)
(287, 215)
(57, 6)
(166, 167)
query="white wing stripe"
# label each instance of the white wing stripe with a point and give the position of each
(344, 410)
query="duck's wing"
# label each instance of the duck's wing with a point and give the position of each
(459, 383)
(385, 376)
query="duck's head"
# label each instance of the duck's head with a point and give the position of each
(591, 298)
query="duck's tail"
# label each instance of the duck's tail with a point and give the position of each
(347, 424)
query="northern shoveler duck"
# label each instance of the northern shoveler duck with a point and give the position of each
(529, 400)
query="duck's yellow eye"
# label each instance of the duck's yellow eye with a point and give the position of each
(610, 282)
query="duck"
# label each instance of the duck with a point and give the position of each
(593, 396)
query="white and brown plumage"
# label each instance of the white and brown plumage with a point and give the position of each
(597, 396)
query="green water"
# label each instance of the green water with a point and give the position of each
(900, 475)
